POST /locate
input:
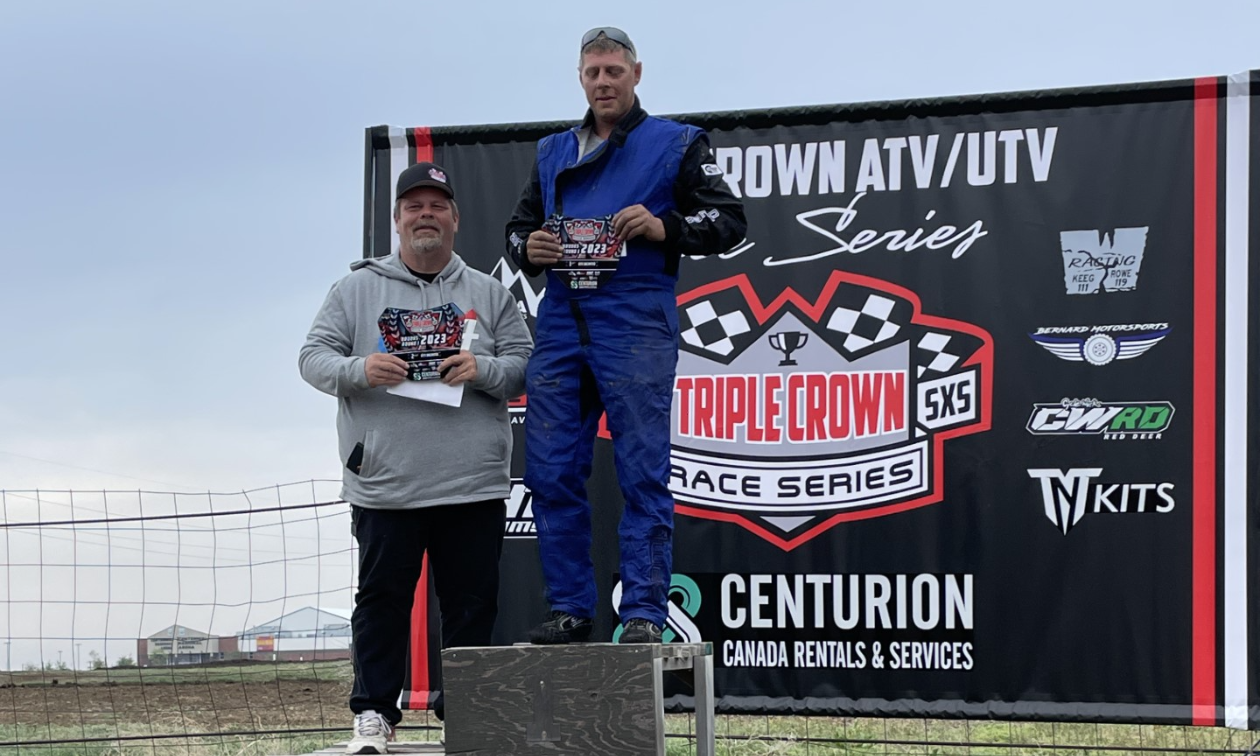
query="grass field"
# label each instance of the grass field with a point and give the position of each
(130, 710)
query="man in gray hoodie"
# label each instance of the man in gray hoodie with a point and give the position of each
(420, 476)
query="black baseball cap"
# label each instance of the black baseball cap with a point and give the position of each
(424, 174)
(613, 33)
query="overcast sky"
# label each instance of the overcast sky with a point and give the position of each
(180, 183)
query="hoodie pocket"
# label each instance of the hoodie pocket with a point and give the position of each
(368, 467)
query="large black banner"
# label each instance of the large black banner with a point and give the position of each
(963, 427)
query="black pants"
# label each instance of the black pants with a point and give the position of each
(464, 542)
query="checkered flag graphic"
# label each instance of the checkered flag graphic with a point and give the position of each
(867, 326)
(713, 331)
(932, 353)
(857, 321)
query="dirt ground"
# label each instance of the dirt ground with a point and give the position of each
(183, 707)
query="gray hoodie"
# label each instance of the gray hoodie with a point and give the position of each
(416, 453)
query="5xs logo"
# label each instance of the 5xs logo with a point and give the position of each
(947, 401)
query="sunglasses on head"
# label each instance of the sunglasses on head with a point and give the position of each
(612, 32)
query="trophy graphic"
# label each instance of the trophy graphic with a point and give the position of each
(788, 342)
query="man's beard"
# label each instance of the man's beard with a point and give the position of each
(424, 244)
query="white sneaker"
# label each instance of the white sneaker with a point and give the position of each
(372, 734)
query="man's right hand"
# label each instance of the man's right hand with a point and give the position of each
(542, 248)
(384, 370)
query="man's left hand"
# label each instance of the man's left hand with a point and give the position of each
(637, 221)
(458, 368)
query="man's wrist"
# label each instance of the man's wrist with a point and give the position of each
(673, 222)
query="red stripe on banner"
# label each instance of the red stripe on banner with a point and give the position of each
(420, 640)
(1203, 663)
(420, 607)
(424, 144)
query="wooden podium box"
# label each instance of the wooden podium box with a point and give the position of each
(585, 698)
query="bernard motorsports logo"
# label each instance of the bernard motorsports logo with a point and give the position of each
(1069, 494)
(1096, 261)
(792, 416)
(1114, 421)
(1099, 345)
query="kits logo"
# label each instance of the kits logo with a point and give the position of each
(793, 416)
(1069, 494)
(1099, 345)
(1096, 260)
(520, 512)
(1119, 421)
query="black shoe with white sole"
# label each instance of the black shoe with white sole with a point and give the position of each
(639, 630)
(561, 628)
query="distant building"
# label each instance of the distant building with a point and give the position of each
(183, 645)
(306, 634)
(301, 635)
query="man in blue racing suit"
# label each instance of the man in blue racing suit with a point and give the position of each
(608, 211)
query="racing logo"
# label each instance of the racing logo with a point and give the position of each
(520, 512)
(701, 216)
(1068, 495)
(1100, 345)
(527, 297)
(584, 229)
(683, 606)
(1095, 261)
(793, 416)
(1112, 420)
(420, 321)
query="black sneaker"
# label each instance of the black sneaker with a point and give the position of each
(639, 630)
(562, 627)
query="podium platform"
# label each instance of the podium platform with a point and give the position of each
(584, 698)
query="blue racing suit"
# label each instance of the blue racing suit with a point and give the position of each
(614, 349)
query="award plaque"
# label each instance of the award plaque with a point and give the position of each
(422, 338)
(591, 250)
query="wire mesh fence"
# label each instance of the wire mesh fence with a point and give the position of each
(218, 624)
